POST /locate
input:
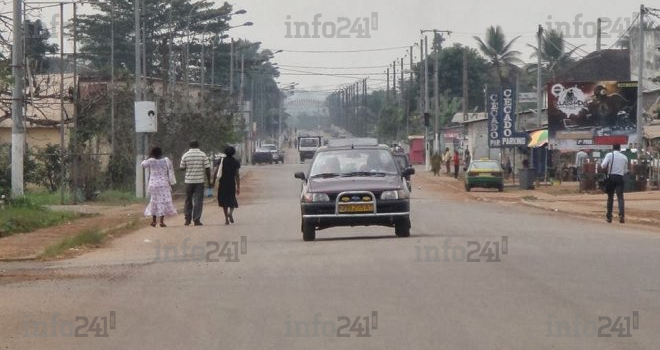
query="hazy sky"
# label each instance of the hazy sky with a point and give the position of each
(399, 25)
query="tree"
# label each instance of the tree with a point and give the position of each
(554, 56)
(450, 63)
(499, 52)
(37, 46)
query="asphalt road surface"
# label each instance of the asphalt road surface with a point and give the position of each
(557, 284)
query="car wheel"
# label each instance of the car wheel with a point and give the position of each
(467, 188)
(500, 188)
(308, 231)
(402, 227)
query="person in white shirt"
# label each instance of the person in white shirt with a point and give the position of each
(615, 165)
(196, 164)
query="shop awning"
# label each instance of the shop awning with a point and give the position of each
(538, 138)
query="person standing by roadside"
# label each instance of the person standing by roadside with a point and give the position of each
(229, 184)
(457, 162)
(467, 159)
(615, 165)
(161, 180)
(446, 157)
(436, 163)
(580, 159)
(196, 164)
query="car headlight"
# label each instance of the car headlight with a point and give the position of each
(315, 197)
(389, 195)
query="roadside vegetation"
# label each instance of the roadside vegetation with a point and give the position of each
(23, 215)
(89, 237)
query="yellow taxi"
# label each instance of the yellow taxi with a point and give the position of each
(484, 173)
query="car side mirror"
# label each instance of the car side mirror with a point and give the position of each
(299, 175)
(408, 171)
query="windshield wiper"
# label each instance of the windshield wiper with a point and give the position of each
(365, 173)
(325, 175)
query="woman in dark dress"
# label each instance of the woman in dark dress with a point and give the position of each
(230, 185)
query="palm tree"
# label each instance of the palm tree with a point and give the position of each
(498, 51)
(553, 53)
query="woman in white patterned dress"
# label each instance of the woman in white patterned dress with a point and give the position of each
(161, 178)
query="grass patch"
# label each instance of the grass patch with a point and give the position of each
(23, 215)
(48, 198)
(116, 197)
(92, 236)
(529, 198)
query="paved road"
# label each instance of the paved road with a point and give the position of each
(288, 294)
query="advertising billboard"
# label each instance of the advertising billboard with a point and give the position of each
(502, 120)
(592, 115)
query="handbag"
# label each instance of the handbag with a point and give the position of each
(604, 183)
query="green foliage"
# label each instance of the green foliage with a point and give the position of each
(499, 52)
(29, 168)
(49, 167)
(37, 46)
(23, 215)
(89, 237)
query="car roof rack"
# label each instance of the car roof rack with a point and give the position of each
(353, 142)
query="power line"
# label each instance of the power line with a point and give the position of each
(348, 51)
(319, 67)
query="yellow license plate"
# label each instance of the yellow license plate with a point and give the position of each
(485, 175)
(356, 208)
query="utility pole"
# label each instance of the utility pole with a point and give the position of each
(17, 122)
(599, 33)
(388, 82)
(402, 83)
(62, 168)
(427, 157)
(411, 85)
(404, 99)
(139, 179)
(640, 77)
(231, 70)
(465, 86)
(437, 39)
(112, 78)
(76, 153)
(394, 79)
(241, 107)
(539, 88)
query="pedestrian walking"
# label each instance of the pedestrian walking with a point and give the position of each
(467, 159)
(196, 164)
(229, 184)
(457, 162)
(436, 163)
(447, 159)
(161, 180)
(615, 165)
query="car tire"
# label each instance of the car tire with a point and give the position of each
(500, 188)
(467, 188)
(308, 231)
(402, 227)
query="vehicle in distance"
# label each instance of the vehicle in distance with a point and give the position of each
(267, 153)
(307, 146)
(354, 185)
(484, 173)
